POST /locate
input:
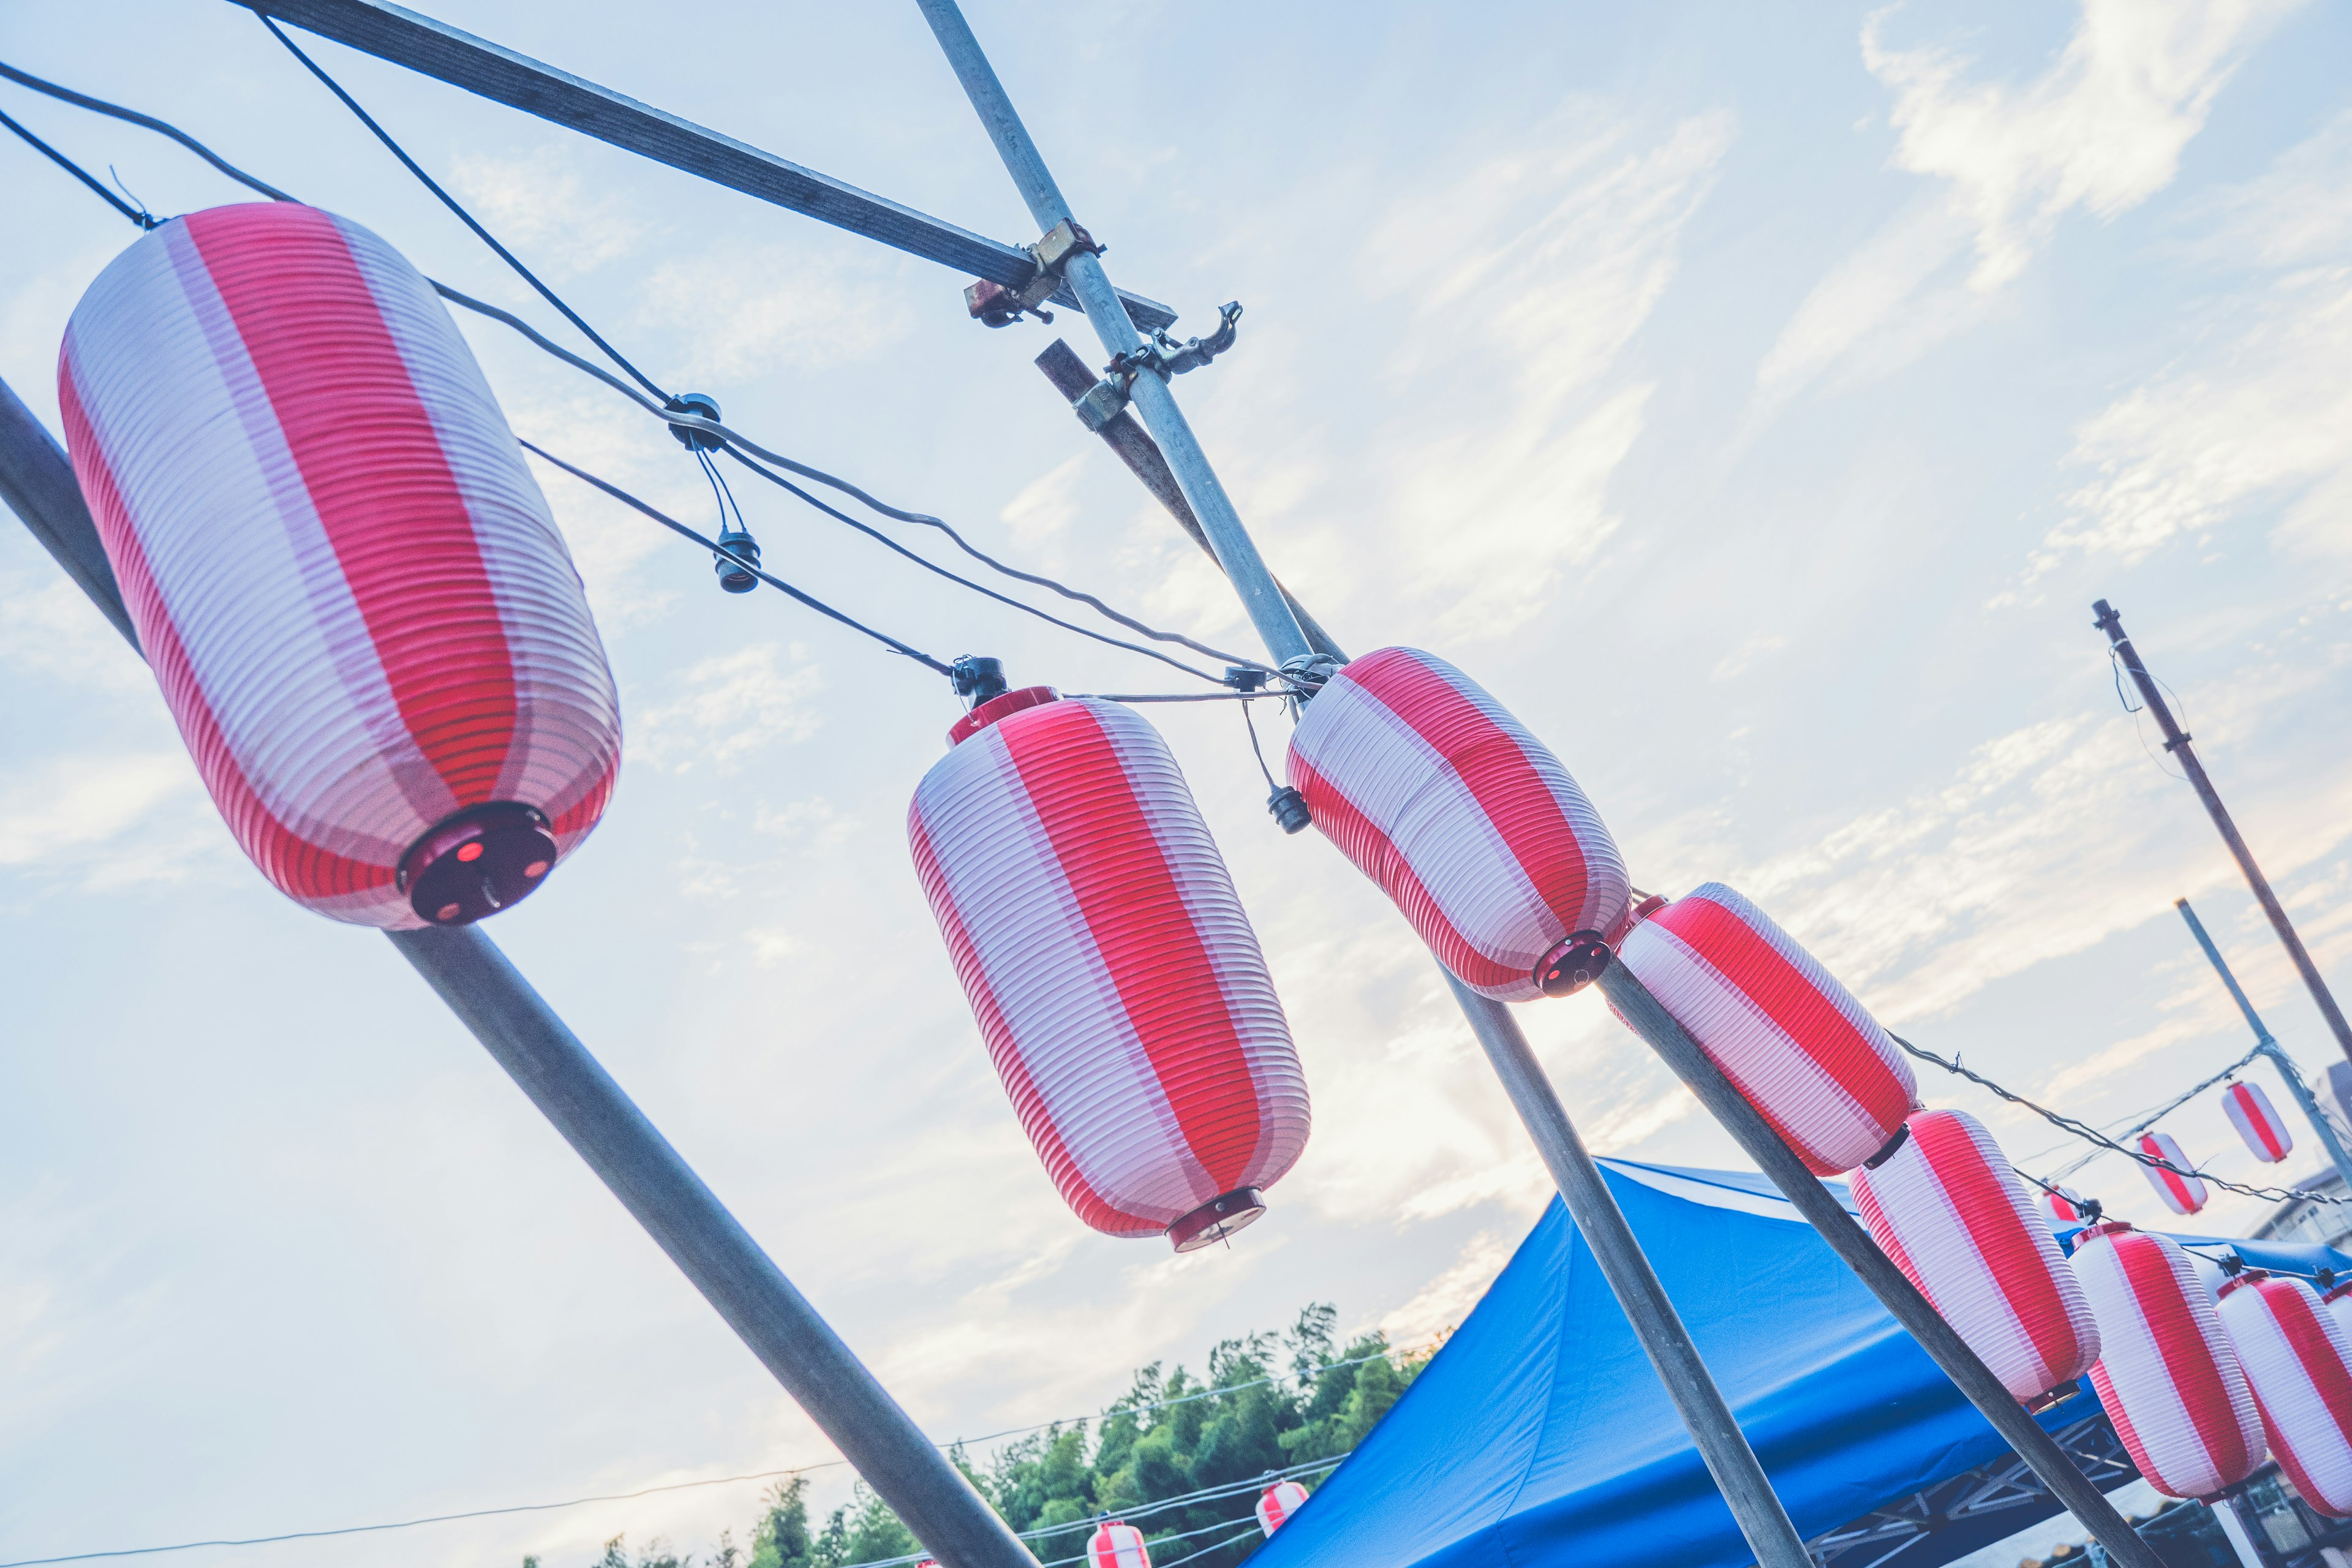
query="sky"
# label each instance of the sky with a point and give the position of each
(1754, 400)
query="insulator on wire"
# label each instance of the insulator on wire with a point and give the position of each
(355, 598)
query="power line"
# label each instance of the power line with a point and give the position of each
(146, 121)
(139, 216)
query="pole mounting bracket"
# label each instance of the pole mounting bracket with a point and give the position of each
(1163, 356)
(996, 305)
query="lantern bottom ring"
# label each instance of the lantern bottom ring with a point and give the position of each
(477, 862)
(2049, 1398)
(1574, 964)
(1216, 1220)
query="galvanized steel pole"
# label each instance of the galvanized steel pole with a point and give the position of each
(1650, 1019)
(2320, 1125)
(1704, 1411)
(601, 1122)
(2176, 740)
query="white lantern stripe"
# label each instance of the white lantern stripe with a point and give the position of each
(2295, 1359)
(2257, 1121)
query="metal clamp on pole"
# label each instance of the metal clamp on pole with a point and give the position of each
(995, 305)
(1163, 356)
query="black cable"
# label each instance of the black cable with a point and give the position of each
(928, 565)
(1251, 720)
(2091, 1134)
(625, 499)
(139, 216)
(464, 217)
(99, 105)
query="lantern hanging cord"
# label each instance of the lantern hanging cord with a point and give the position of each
(1259, 751)
(2091, 1134)
(484, 235)
(138, 215)
(819, 605)
(736, 443)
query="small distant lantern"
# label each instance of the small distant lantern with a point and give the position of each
(1794, 1041)
(1281, 1500)
(2167, 1374)
(2299, 1364)
(1117, 1545)
(1113, 973)
(2065, 1205)
(2182, 1192)
(1466, 819)
(2257, 1121)
(1946, 1205)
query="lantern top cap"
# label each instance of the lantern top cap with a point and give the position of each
(2106, 1228)
(2247, 1276)
(997, 708)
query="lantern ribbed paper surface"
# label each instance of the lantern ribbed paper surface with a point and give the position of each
(2181, 1193)
(2338, 1303)
(1280, 1502)
(1462, 816)
(1115, 977)
(348, 584)
(1946, 1205)
(2296, 1360)
(2065, 1205)
(1117, 1546)
(1779, 1026)
(2257, 1122)
(2167, 1374)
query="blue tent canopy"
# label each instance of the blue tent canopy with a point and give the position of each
(1540, 1436)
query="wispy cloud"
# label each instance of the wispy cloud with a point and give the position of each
(728, 706)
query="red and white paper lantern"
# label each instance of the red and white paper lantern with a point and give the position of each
(2182, 1194)
(1466, 819)
(1117, 1545)
(2065, 1205)
(1795, 1043)
(1945, 1204)
(349, 586)
(2299, 1364)
(1281, 1500)
(1115, 977)
(2257, 1122)
(2167, 1374)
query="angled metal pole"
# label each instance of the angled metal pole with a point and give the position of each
(1650, 1019)
(1700, 1403)
(2320, 1125)
(2176, 740)
(601, 1122)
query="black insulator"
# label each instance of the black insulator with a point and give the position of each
(741, 554)
(703, 404)
(1244, 678)
(1289, 809)
(977, 677)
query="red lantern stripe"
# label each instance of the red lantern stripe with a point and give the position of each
(2250, 1112)
(1948, 1209)
(2168, 1376)
(2182, 1194)
(1795, 1041)
(2295, 1358)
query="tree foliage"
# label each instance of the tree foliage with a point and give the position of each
(1267, 1402)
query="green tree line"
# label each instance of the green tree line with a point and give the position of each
(1267, 1402)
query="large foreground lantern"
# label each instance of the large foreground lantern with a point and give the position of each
(1946, 1205)
(2167, 1374)
(1462, 816)
(348, 584)
(1793, 1040)
(2258, 1122)
(2296, 1360)
(2182, 1192)
(1281, 1500)
(1115, 977)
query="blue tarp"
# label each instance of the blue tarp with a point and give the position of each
(1540, 1437)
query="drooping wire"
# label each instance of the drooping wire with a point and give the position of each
(139, 216)
(2089, 1133)
(928, 565)
(484, 235)
(147, 121)
(1251, 720)
(819, 605)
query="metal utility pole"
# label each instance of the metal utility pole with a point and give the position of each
(2176, 740)
(1804, 1190)
(2320, 1125)
(601, 1122)
(1704, 1411)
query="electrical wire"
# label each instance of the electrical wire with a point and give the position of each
(2091, 1134)
(819, 605)
(146, 121)
(484, 235)
(1241, 1534)
(1259, 752)
(138, 215)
